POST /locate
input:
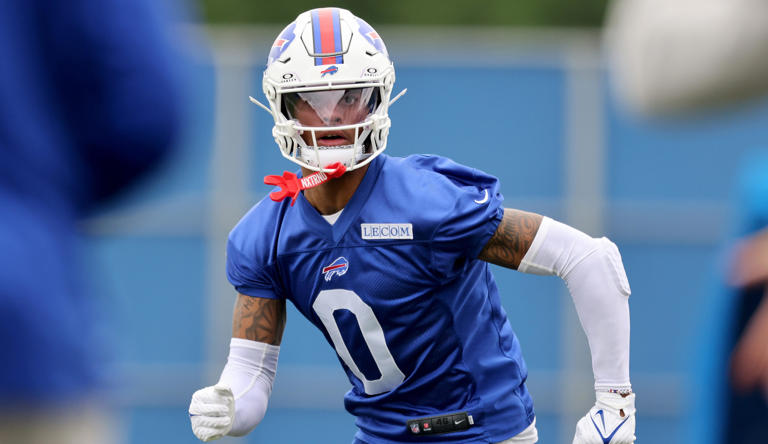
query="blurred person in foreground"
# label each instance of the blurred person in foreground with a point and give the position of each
(749, 362)
(746, 400)
(87, 105)
(388, 257)
(677, 59)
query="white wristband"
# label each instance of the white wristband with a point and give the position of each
(594, 273)
(250, 372)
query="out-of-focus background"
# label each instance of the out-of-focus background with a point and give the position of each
(518, 89)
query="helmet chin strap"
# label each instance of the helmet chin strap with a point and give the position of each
(291, 185)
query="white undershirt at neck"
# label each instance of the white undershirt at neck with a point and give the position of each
(332, 218)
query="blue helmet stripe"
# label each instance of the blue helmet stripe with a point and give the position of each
(316, 36)
(337, 35)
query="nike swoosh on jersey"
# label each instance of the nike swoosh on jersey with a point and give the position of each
(484, 199)
(606, 439)
(458, 421)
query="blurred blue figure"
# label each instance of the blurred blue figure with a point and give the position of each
(730, 388)
(746, 402)
(88, 103)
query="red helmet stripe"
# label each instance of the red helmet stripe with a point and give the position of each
(327, 35)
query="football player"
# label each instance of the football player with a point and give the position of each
(388, 257)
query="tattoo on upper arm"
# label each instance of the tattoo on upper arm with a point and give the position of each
(512, 238)
(259, 319)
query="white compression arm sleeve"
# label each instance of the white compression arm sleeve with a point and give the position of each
(593, 271)
(249, 372)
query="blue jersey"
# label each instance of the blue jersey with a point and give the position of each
(396, 288)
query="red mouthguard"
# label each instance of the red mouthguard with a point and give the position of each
(291, 185)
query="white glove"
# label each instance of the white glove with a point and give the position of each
(212, 412)
(610, 421)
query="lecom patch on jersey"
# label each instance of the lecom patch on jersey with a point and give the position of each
(386, 231)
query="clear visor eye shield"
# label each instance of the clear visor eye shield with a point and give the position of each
(329, 125)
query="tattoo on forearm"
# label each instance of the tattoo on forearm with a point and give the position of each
(512, 239)
(259, 319)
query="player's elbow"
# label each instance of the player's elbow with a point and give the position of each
(613, 256)
(602, 256)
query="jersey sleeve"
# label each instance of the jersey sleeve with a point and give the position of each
(470, 222)
(248, 276)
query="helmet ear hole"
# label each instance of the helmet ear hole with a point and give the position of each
(269, 91)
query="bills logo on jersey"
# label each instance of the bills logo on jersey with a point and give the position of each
(330, 70)
(338, 267)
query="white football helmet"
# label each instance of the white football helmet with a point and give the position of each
(328, 82)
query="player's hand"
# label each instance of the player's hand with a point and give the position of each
(610, 421)
(212, 412)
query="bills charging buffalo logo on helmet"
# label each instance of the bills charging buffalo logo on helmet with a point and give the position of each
(371, 35)
(281, 43)
(338, 267)
(332, 70)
